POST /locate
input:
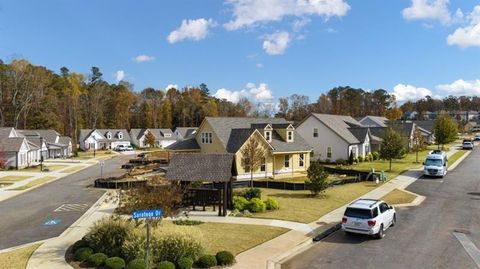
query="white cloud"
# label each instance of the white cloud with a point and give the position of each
(260, 93)
(468, 36)
(277, 43)
(259, 65)
(431, 10)
(406, 92)
(253, 12)
(171, 86)
(119, 75)
(330, 30)
(461, 87)
(297, 25)
(143, 58)
(191, 29)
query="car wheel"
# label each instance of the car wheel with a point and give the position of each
(394, 220)
(381, 233)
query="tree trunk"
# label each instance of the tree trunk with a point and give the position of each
(416, 156)
(390, 165)
(251, 178)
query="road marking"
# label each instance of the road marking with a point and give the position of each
(52, 222)
(469, 246)
(72, 207)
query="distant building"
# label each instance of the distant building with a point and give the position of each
(163, 137)
(101, 139)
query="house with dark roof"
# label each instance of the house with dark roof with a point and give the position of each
(163, 137)
(374, 121)
(334, 137)
(57, 146)
(288, 152)
(183, 133)
(102, 139)
(16, 151)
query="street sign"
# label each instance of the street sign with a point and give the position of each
(145, 214)
(102, 163)
(52, 222)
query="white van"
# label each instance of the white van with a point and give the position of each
(436, 164)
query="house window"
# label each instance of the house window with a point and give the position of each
(268, 136)
(109, 136)
(206, 138)
(315, 132)
(329, 152)
(246, 164)
(289, 136)
(263, 167)
(168, 135)
(120, 136)
(287, 161)
(301, 160)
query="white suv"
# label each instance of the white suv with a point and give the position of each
(368, 216)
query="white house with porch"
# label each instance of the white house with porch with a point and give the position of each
(102, 139)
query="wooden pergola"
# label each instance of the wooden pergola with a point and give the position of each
(217, 169)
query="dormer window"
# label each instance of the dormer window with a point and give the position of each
(109, 135)
(289, 136)
(120, 135)
(168, 135)
(268, 136)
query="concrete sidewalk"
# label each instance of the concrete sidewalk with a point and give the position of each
(51, 254)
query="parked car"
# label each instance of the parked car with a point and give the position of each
(477, 137)
(467, 145)
(368, 216)
(129, 148)
(120, 148)
(435, 164)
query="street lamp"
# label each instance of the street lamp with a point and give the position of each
(41, 153)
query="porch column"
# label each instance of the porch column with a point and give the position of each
(273, 171)
(225, 198)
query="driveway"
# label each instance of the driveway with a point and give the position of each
(423, 236)
(47, 211)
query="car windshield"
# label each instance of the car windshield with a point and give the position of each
(358, 213)
(433, 162)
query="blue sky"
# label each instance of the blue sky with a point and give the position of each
(260, 49)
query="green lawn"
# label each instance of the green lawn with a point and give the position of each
(33, 183)
(17, 259)
(73, 169)
(300, 206)
(85, 155)
(45, 166)
(457, 155)
(397, 196)
(235, 238)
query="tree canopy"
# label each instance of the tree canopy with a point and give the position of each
(445, 129)
(392, 146)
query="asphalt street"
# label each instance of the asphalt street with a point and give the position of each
(423, 236)
(47, 211)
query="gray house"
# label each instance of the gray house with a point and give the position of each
(335, 137)
(163, 137)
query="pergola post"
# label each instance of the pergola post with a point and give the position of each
(219, 202)
(225, 197)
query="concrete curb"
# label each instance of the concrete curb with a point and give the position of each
(22, 246)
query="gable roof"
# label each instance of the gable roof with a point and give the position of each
(85, 133)
(186, 132)
(359, 132)
(186, 144)
(340, 125)
(234, 131)
(13, 144)
(374, 121)
(201, 167)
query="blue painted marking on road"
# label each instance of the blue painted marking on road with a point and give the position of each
(143, 214)
(52, 222)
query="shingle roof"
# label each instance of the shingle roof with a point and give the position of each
(377, 121)
(5, 132)
(64, 140)
(49, 135)
(201, 167)
(238, 138)
(11, 144)
(298, 144)
(187, 144)
(84, 133)
(359, 132)
(186, 132)
(340, 125)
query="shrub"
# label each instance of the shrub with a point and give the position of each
(328, 160)
(107, 236)
(82, 254)
(360, 159)
(256, 205)
(271, 204)
(166, 265)
(225, 258)
(370, 157)
(375, 155)
(341, 161)
(177, 242)
(114, 263)
(97, 259)
(317, 179)
(187, 222)
(251, 193)
(79, 244)
(137, 264)
(240, 203)
(185, 263)
(207, 261)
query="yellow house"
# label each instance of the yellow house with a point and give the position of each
(287, 152)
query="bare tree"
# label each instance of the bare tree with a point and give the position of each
(253, 156)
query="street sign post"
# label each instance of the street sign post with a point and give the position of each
(147, 215)
(102, 164)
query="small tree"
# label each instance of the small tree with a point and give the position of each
(418, 143)
(150, 139)
(394, 113)
(392, 146)
(445, 130)
(317, 178)
(253, 156)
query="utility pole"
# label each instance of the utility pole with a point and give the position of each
(41, 153)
